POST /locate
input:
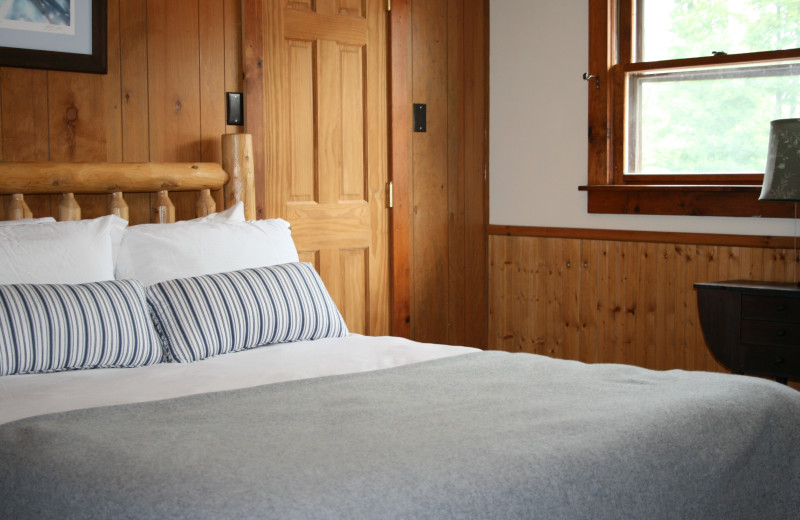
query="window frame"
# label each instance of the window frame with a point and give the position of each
(611, 53)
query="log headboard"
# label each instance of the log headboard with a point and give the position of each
(234, 176)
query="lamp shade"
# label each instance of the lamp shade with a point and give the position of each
(782, 177)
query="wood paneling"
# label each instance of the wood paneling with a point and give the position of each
(614, 301)
(169, 65)
(429, 172)
(400, 167)
(448, 185)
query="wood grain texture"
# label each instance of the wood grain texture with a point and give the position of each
(324, 107)
(599, 98)
(237, 160)
(211, 18)
(377, 163)
(456, 187)
(644, 236)
(134, 97)
(70, 178)
(475, 35)
(254, 69)
(400, 167)
(174, 83)
(234, 55)
(26, 124)
(614, 301)
(162, 99)
(448, 187)
(430, 168)
(102, 177)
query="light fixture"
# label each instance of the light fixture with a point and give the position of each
(782, 176)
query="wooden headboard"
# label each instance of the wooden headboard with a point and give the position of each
(234, 176)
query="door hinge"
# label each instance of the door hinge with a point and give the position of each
(388, 5)
(389, 195)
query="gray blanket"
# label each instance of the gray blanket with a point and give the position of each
(484, 435)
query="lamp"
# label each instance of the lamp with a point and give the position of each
(782, 177)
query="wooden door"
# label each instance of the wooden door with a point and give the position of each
(325, 131)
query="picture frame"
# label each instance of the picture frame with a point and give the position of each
(76, 42)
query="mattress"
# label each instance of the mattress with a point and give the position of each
(34, 394)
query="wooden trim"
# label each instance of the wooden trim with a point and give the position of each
(400, 167)
(481, 134)
(695, 179)
(712, 61)
(626, 12)
(612, 192)
(475, 84)
(719, 201)
(656, 237)
(599, 106)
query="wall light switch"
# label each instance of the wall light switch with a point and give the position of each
(234, 109)
(420, 117)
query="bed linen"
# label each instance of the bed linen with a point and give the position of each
(478, 435)
(35, 394)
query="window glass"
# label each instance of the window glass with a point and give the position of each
(708, 120)
(671, 29)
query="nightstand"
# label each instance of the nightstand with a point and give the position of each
(752, 327)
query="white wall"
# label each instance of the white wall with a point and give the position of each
(538, 126)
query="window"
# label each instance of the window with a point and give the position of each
(679, 120)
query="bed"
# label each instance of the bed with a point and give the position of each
(145, 375)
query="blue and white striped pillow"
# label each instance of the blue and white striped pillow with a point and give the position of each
(48, 328)
(215, 314)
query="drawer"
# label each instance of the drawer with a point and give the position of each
(778, 308)
(759, 332)
(772, 361)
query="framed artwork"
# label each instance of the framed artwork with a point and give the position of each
(54, 34)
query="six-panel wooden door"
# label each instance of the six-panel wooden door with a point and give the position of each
(326, 136)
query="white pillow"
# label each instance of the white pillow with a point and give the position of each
(234, 213)
(155, 253)
(60, 252)
(42, 220)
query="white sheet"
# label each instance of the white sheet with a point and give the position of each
(28, 395)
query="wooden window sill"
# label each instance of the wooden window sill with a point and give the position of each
(706, 200)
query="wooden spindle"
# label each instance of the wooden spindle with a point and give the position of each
(205, 204)
(117, 206)
(163, 209)
(18, 209)
(68, 209)
(237, 160)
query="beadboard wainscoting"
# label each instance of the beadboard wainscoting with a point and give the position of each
(615, 300)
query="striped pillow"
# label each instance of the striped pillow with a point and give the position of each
(48, 328)
(215, 314)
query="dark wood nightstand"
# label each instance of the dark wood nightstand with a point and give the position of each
(752, 327)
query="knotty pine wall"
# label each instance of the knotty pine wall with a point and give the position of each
(163, 99)
(614, 301)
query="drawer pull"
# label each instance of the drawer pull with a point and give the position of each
(780, 333)
(781, 307)
(778, 360)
